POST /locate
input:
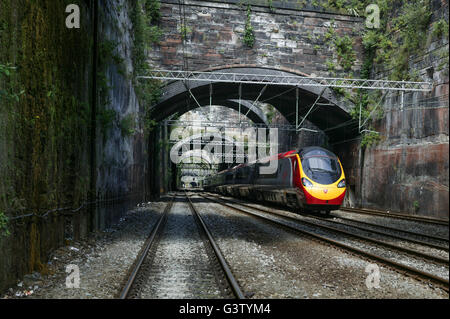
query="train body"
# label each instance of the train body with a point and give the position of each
(311, 179)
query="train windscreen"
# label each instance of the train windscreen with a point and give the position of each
(321, 166)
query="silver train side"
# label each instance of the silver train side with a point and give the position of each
(311, 179)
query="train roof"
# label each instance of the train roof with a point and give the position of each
(263, 160)
(319, 150)
(278, 156)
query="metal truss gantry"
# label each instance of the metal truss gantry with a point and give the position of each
(295, 81)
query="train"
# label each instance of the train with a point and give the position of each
(308, 180)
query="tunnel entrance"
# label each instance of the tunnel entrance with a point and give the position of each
(300, 99)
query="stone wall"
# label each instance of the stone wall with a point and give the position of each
(51, 152)
(408, 170)
(288, 38)
(121, 155)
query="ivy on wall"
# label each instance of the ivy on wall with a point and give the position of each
(343, 47)
(404, 33)
(145, 17)
(44, 112)
(46, 109)
(249, 36)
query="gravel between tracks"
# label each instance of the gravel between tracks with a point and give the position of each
(415, 226)
(273, 263)
(179, 266)
(103, 260)
(403, 258)
(268, 262)
(347, 226)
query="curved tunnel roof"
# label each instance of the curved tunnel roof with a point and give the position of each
(328, 113)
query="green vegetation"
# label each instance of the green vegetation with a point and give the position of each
(370, 138)
(7, 92)
(402, 34)
(185, 30)
(3, 225)
(145, 16)
(105, 54)
(270, 113)
(127, 125)
(105, 119)
(343, 46)
(270, 4)
(45, 86)
(411, 27)
(152, 8)
(249, 37)
(345, 52)
(440, 29)
(44, 112)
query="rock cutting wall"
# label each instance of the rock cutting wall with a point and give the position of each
(408, 170)
(121, 146)
(45, 138)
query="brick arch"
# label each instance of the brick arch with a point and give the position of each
(240, 66)
(330, 112)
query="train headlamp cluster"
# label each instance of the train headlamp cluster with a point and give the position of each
(341, 184)
(306, 182)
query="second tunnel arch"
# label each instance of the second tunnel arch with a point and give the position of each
(180, 96)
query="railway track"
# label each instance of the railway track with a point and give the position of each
(428, 220)
(388, 228)
(155, 272)
(386, 234)
(286, 223)
(365, 229)
(425, 256)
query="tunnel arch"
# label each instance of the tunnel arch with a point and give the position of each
(329, 113)
(252, 111)
(202, 155)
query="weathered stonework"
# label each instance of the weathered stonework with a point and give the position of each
(408, 170)
(292, 37)
(286, 38)
(121, 160)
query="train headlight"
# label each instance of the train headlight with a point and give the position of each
(341, 184)
(306, 183)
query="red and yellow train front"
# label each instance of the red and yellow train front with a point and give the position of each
(321, 179)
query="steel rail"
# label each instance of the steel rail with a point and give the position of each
(396, 215)
(143, 254)
(418, 242)
(359, 237)
(395, 229)
(226, 269)
(416, 273)
(346, 224)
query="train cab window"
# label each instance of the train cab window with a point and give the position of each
(320, 165)
(322, 169)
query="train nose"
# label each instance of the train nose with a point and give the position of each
(325, 194)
